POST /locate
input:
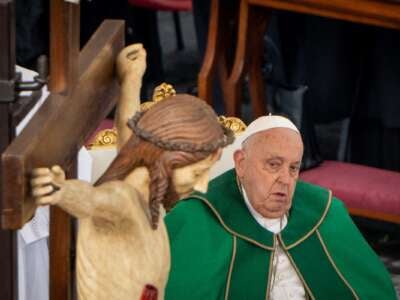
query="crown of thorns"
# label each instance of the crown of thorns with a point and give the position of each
(227, 139)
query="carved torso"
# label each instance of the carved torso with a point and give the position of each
(116, 260)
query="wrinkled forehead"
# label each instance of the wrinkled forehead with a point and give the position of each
(270, 137)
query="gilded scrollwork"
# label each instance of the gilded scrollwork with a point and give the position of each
(105, 138)
(108, 137)
(233, 123)
(161, 92)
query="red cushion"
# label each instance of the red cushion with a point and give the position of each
(181, 5)
(360, 187)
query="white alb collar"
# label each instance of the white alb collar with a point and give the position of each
(274, 225)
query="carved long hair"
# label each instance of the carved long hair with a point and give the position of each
(174, 133)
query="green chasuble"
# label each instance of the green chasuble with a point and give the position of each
(219, 251)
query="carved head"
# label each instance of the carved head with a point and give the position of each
(177, 139)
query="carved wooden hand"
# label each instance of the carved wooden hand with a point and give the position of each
(131, 62)
(46, 183)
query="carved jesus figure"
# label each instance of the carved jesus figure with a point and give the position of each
(164, 154)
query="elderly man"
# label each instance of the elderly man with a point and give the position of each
(259, 233)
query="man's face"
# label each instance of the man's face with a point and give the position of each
(268, 167)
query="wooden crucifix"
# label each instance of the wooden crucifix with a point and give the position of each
(83, 91)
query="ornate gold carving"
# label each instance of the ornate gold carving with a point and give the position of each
(233, 123)
(161, 92)
(146, 105)
(104, 138)
(108, 137)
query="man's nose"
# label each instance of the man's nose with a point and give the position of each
(284, 176)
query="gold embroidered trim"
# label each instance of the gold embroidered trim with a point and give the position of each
(228, 280)
(271, 262)
(296, 269)
(335, 267)
(227, 228)
(314, 228)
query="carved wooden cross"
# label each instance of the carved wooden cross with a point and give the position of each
(83, 91)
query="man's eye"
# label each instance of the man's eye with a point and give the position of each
(273, 164)
(294, 169)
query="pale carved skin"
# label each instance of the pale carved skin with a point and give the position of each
(118, 252)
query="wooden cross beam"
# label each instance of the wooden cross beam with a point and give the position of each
(64, 46)
(83, 91)
(61, 126)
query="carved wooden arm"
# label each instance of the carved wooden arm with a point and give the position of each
(111, 201)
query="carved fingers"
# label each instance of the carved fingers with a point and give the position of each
(58, 174)
(131, 61)
(45, 183)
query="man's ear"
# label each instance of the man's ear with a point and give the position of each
(239, 157)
